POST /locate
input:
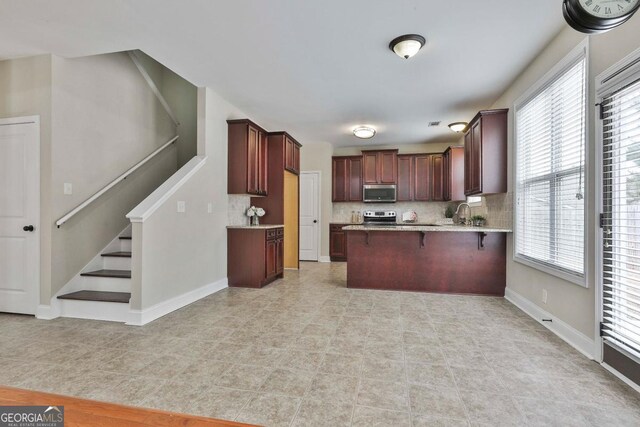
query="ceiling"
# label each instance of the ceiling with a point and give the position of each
(313, 68)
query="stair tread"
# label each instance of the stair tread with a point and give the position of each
(103, 296)
(121, 274)
(125, 237)
(118, 254)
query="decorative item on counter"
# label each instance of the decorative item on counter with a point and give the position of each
(478, 220)
(409, 216)
(354, 217)
(255, 213)
(359, 217)
(449, 212)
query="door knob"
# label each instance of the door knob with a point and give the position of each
(28, 228)
(315, 221)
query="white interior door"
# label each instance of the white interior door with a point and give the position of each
(19, 214)
(309, 215)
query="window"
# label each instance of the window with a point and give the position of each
(550, 171)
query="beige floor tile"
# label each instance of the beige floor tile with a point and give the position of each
(384, 350)
(269, 410)
(374, 417)
(436, 402)
(287, 382)
(316, 413)
(495, 409)
(301, 360)
(383, 395)
(243, 377)
(329, 387)
(383, 369)
(434, 376)
(341, 364)
(430, 421)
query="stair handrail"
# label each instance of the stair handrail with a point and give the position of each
(115, 182)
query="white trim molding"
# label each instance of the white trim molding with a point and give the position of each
(621, 377)
(324, 259)
(142, 317)
(569, 334)
(156, 199)
(48, 312)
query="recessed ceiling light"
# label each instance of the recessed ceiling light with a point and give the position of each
(364, 132)
(458, 126)
(408, 45)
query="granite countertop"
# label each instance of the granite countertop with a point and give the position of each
(418, 227)
(255, 227)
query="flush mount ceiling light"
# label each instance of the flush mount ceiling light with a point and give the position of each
(458, 126)
(364, 132)
(408, 45)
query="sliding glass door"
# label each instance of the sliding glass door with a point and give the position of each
(620, 223)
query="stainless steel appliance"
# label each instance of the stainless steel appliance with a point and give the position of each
(379, 193)
(378, 218)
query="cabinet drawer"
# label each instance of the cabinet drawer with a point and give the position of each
(271, 234)
(280, 232)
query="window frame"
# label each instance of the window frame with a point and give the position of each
(580, 51)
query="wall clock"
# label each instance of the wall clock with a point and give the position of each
(598, 16)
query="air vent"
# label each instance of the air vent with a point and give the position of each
(433, 124)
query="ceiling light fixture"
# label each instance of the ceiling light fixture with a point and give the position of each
(364, 132)
(408, 45)
(458, 126)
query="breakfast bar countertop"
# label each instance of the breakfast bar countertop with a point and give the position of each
(424, 227)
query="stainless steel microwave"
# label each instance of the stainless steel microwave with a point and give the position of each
(385, 193)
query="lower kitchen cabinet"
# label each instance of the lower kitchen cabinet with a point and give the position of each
(337, 242)
(255, 255)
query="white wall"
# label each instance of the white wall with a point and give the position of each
(570, 303)
(25, 90)
(105, 119)
(181, 252)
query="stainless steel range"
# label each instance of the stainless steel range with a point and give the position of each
(379, 218)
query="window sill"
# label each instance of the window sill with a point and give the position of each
(576, 280)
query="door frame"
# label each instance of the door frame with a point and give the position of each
(319, 239)
(26, 120)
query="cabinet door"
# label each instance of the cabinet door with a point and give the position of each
(446, 176)
(288, 154)
(476, 158)
(253, 168)
(340, 175)
(370, 168)
(354, 183)
(337, 244)
(263, 161)
(279, 255)
(422, 185)
(271, 259)
(437, 176)
(404, 192)
(468, 152)
(296, 158)
(388, 163)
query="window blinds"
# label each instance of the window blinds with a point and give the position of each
(550, 138)
(621, 217)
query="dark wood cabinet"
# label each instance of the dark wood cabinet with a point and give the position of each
(486, 153)
(453, 174)
(346, 179)
(255, 256)
(292, 155)
(247, 159)
(437, 177)
(380, 167)
(406, 180)
(422, 180)
(337, 242)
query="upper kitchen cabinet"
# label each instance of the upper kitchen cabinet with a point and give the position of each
(423, 177)
(437, 177)
(248, 158)
(380, 166)
(485, 153)
(406, 178)
(453, 174)
(346, 179)
(292, 155)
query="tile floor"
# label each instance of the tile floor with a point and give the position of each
(306, 351)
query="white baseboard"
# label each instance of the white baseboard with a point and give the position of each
(142, 317)
(95, 310)
(48, 312)
(572, 336)
(624, 379)
(324, 259)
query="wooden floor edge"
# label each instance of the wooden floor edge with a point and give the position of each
(85, 412)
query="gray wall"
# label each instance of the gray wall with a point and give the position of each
(571, 303)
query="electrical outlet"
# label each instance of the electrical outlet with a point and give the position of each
(544, 296)
(209, 207)
(182, 207)
(68, 188)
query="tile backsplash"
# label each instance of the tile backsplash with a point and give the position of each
(498, 209)
(427, 211)
(237, 209)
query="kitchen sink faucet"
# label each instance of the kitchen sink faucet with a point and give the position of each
(458, 210)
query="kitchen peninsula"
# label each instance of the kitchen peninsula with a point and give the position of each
(427, 258)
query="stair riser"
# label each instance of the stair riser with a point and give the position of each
(115, 263)
(125, 246)
(111, 311)
(107, 284)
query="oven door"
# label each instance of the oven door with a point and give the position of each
(379, 193)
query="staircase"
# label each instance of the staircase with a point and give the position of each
(103, 290)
